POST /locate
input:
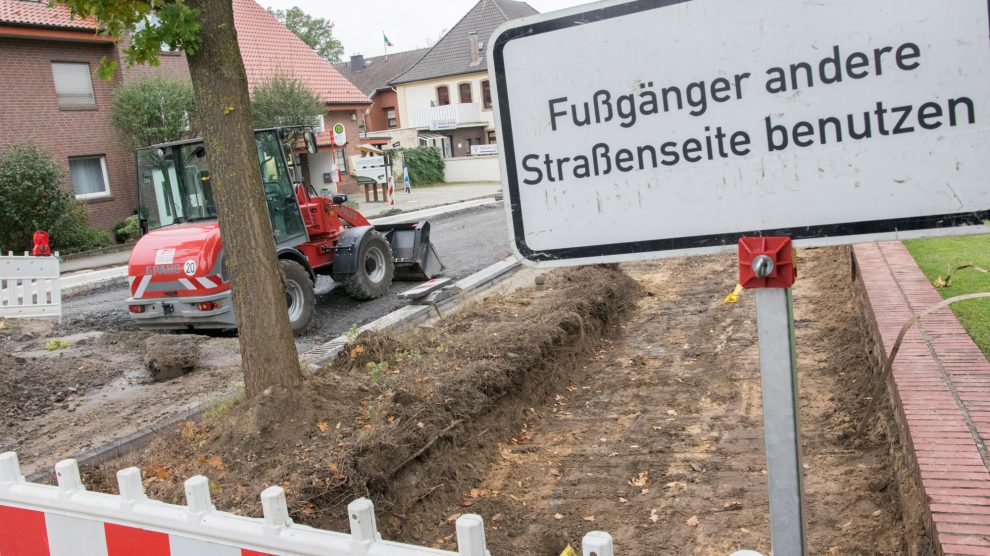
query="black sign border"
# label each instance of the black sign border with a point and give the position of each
(691, 242)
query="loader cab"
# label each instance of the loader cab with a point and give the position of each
(175, 187)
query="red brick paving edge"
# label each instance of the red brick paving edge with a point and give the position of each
(940, 387)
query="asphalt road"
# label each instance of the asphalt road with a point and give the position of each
(466, 241)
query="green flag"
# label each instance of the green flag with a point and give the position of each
(387, 42)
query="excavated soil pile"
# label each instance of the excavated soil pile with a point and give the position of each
(168, 357)
(396, 417)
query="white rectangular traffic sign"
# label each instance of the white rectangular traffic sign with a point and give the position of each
(632, 130)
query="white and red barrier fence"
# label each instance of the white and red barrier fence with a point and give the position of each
(68, 520)
(29, 286)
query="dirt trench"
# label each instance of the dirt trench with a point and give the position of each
(568, 408)
(658, 437)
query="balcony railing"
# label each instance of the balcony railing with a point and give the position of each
(446, 117)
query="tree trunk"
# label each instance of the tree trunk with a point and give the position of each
(268, 352)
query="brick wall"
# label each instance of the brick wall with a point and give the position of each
(376, 120)
(172, 64)
(348, 184)
(31, 113)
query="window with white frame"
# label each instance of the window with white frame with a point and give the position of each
(73, 85)
(393, 120)
(319, 124)
(89, 176)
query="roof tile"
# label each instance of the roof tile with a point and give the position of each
(451, 55)
(379, 70)
(269, 49)
(25, 12)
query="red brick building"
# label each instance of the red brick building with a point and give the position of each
(371, 76)
(52, 95)
(270, 49)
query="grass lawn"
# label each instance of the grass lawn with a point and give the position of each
(937, 256)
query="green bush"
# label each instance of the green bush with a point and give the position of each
(425, 165)
(284, 101)
(31, 199)
(73, 233)
(153, 110)
(126, 230)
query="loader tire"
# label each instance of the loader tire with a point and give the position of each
(299, 295)
(375, 269)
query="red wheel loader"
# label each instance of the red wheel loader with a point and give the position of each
(178, 279)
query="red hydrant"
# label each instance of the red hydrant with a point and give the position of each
(41, 247)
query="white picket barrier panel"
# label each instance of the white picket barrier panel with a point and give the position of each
(29, 286)
(68, 520)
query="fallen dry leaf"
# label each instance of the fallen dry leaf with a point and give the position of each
(732, 506)
(555, 472)
(323, 426)
(558, 516)
(589, 518)
(640, 480)
(672, 413)
(622, 500)
(452, 518)
(693, 521)
(654, 516)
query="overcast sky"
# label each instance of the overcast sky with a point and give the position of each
(409, 24)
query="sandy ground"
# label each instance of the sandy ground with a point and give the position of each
(61, 403)
(659, 438)
(654, 435)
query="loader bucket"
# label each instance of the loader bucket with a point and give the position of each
(414, 256)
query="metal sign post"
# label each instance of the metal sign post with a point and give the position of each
(767, 265)
(871, 125)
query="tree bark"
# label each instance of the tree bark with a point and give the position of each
(268, 352)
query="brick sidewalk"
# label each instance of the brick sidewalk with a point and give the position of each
(941, 390)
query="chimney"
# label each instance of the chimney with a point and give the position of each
(357, 62)
(473, 47)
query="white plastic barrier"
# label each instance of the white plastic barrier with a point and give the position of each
(29, 286)
(69, 520)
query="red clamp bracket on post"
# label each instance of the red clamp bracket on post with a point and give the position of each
(766, 262)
